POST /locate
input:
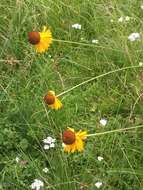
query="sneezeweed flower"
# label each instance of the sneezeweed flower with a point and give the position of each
(98, 184)
(52, 101)
(76, 26)
(134, 36)
(73, 141)
(49, 143)
(37, 184)
(41, 40)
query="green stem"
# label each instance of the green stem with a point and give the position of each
(85, 44)
(114, 131)
(96, 77)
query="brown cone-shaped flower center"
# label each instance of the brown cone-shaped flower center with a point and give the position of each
(34, 37)
(49, 99)
(68, 137)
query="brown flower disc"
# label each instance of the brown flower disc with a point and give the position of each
(68, 137)
(34, 38)
(49, 99)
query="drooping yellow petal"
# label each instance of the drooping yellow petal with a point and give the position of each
(78, 144)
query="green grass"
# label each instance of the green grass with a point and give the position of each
(25, 121)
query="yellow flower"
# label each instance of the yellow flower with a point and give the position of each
(41, 40)
(73, 141)
(52, 101)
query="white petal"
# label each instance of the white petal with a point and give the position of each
(17, 159)
(95, 41)
(140, 63)
(45, 170)
(100, 158)
(103, 122)
(76, 26)
(121, 19)
(46, 147)
(98, 184)
(52, 145)
(127, 18)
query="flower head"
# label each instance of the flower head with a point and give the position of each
(52, 101)
(76, 26)
(37, 184)
(95, 41)
(103, 122)
(45, 170)
(49, 143)
(41, 40)
(100, 158)
(98, 184)
(73, 141)
(134, 36)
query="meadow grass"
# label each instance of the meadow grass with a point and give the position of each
(117, 96)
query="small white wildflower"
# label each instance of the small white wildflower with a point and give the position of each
(121, 19)
(49, 143)
(127, 18)
(134, 36)
(111, 20)
(49, 56)
(37, 184)
(17, 159)
(142, 7)
(98, 184)
(140, 63)
(95, 41)
(52, 145)
(48, 140)
(76, 26)
(45, 170)
(46, 147)
(82, 38)
(103, 122)
(100, 158)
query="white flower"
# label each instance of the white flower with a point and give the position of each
(17, 159)
(52, 145)
(103, 122)
(48, 140)
(140, 63)
(76, 26)
(134, 36)
(37, 184)
(100, 158)
(121, 19)
(46, 147)
(111, 20)
(98, 184)
(45, 170)
(49, 143)
(142, 7)
(95, 41)
(127, 18)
